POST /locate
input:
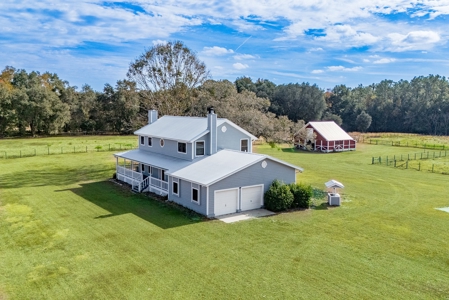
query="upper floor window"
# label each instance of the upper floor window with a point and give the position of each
(162, 143)
(150, 142)
(199, 149)
(244, 145)
(182, 147)
(142, 140)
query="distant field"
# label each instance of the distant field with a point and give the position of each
(13, 148)
(403, 140)
(66, 232)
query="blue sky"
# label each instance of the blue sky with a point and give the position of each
(323, 42)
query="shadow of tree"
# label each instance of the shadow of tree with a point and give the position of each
(54, 176)
(119, 201)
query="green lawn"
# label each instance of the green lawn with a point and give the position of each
(68, 233)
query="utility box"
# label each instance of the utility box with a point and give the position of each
(333, 199)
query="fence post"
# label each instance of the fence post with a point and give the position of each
(406, 164)
(408, 156)
(372, 161)
(380, 159)
(419, 166)
(432, 167)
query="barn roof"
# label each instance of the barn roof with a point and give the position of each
(330, 131)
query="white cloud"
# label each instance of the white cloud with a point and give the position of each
(343, 69)
(347, 36)
(244, 57)
(159, 42)
(414, 40)
(366, 60)
(384, 61)
(240, 66)
(216, 51)
(317, 71)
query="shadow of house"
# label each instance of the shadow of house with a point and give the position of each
(118, 201)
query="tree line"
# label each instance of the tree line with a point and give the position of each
(169, 77)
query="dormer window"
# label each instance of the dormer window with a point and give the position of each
(244, 145)
(182, 147)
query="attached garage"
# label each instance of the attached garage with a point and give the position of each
(252, 197)
(226, 201)
(229, 182)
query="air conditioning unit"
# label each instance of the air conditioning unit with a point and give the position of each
(333, 199)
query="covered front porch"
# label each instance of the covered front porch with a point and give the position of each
(141, 176)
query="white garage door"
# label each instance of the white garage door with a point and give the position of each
(225, 202)
(252, 197)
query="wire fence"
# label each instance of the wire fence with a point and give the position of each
(52, 150)
(434, 162)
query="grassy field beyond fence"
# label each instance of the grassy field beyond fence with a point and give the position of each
(19, 148)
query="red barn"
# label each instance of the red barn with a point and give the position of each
(325, 136)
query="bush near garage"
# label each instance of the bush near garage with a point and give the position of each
(278, 197)
(302, 195)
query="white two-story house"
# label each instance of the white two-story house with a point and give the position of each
(204, 164)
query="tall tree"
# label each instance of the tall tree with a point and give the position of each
(298, 101)
(165, 75)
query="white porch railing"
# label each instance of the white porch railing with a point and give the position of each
(135, 179)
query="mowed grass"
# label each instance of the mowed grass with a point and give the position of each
(66, 232)
(15, 148)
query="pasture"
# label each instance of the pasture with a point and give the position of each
(67, 232)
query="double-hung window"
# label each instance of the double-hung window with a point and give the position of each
(244, 145)
(196, 193)
(150, 142)
(175, 186)
(142, 140)
(199, 148)
(182, 147)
